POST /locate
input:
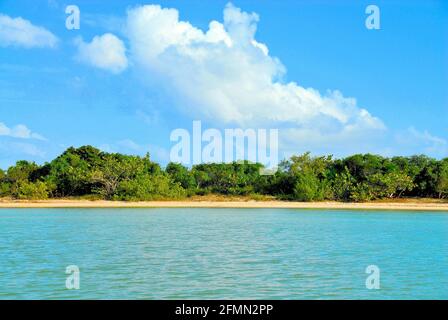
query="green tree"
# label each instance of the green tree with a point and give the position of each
(343, 185)
(18, 174)
(5, 186)
(32, 190)
(442, 179)
(182, 175)
(114, 170)
(306, 187)
(361, 177)
(389, 185)
(22, 171)
(236, 178)
(310, 176)
(423, 171)
(71, 172)
(149, 187)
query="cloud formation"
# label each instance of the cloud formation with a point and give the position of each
(19, 131)
(225, 75)
(105, 52)
(20, 32)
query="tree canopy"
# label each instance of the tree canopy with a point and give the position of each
(90, 172)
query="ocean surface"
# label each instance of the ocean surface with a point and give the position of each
(222, 254)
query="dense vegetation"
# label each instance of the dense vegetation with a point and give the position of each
(89, 172)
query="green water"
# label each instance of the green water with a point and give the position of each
(222, 253)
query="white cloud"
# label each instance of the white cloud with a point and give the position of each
(19, 131)
(22, 33)
(105, 52)
(10, 151)
(28, 149)
(411, 139)
(225, 75)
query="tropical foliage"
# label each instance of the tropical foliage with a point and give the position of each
(89, 172)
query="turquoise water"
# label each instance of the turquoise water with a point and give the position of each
(222, 253)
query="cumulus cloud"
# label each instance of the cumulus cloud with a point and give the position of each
(20, 32)
(19, 131)
(105, 52)
(225, 75)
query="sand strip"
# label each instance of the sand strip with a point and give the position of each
(417, 206)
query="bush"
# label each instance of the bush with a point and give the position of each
(149, 187)
(306, 188)
(361, 192)
(32, 190)
(5, 189)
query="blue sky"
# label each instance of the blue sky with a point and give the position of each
(128, 90)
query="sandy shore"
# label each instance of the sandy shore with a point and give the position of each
(407, 205)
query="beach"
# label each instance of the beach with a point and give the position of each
(424, 205)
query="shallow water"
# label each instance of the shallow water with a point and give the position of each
(222, 253)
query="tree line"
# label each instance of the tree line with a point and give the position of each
(90, 173)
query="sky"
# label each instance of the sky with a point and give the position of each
(135, 71)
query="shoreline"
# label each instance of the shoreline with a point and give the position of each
(250, 204)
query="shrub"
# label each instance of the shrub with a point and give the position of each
(149, 187)
(32, 190)
(5, 189)
(306, 188)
